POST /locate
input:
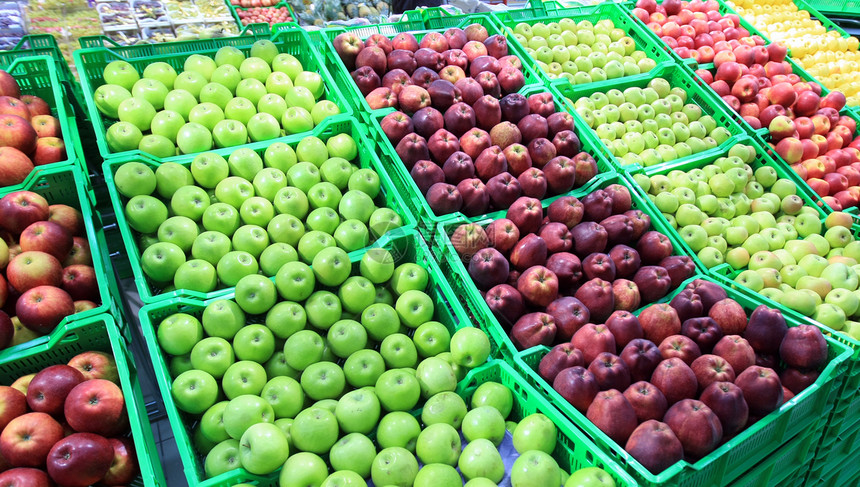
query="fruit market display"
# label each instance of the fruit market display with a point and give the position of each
(651, 125)
(66, 20)
(688, 375)
(582, 52)
(31, 135)
(269, 16)
(46, 266)
(832, 58)
(252, 212)
(67, 424)
(695, 29)
(548, 273)
(12, 26)
(217, 102)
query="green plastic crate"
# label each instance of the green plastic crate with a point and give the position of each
(677, 76)
(37, 75)
(258, 31)
(46, 45)
(92, 61)
(405, 246)
(847, 473)
(234, 10)
(839, 8)
(788, 466)
(96, 333)
(553, 11)
(472, 299)
(66, 185)
(415, 200)
(835, 454)
(150, 291)
(573, 450)
(802, 414)
(762, 159)
(418, 28)
(817, 11)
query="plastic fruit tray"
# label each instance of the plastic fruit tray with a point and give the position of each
(418, 28)
(553, 11)
(834, 456)
(66, 185)
(415, 200)
(405, 246)
(804, 413)
(234, 10)
(150, 291)
(96, 333)
(677, 76)
(38, 75)
(472, 299)
(762, 159)
(788, 466)
(92, 61)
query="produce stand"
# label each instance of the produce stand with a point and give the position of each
(504, 321)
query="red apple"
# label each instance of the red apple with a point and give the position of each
(42, 308)
(27, 439)
(80, 459)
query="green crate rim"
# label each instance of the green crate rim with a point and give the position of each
(330, 126)
(173, 50)
(234, 11)
(715, 468)
(472, 298)
(552, 11)
(721, 114)
(192, 467)
(427, 218)
(71, 176)
(418, 28)
(100, 330)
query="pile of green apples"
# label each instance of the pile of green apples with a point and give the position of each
(650, 125)
(317, 360)
(582, 52)
(207, 225)
(221, 101)
(726, 212)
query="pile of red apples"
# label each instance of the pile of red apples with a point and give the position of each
(688, 375)
(695, 29)
(29, 135)
(67, 425)
(546, 274)
(46, 271)
(471, 143)
(805, 129)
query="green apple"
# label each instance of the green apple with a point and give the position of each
(751, 280)
(133, 179)
(221, 218)
(398, 351)
(445, 407)
(694, 236)
(495, 395)
(222, 458)
(480, 458)
(535, 432)
(171, 176)
(286, 318)
(380, 320)
(322, 110)
(161, 260)
(190, 202)
(323, 309)
(153, 91)
(470, 347)
(394, 466)
(589, 477)
(377, 265)
(354, 452)
(830, 315)
(200, 64)
(263, 126)
(257, 211)
(252, 90)
(431, 339)
(346, 337)
(252, 239)
(229, 55)
(178, 333)
(123, 136)
(157, 145)
(196, 275)
(366, 181)
(254, 342)
(263, 449)
(228, 77)
(193, 137)
(245, 163)
(312, 82)
(280, 155)
(240, 109)
(223, 318)
(285, 395)
(397, 390)
(303, 469)
(383, 220)
(356, 294)
(535, 468)
(358, 411)
(295, 281)
(438, 443)
(208, 169)
(212, 423)
(364, 367)
(285, 228)
(180, 101)
(194, 391)
(213, 355)
(315, 430)
(303, 348)
(484, 422)
(161, 71)
(120, 73)
(235, 265)
(276, 255)
(190, 81)
(243, 378)
(840, 276)
(229, 133)
(108, 97)
(332, 267)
